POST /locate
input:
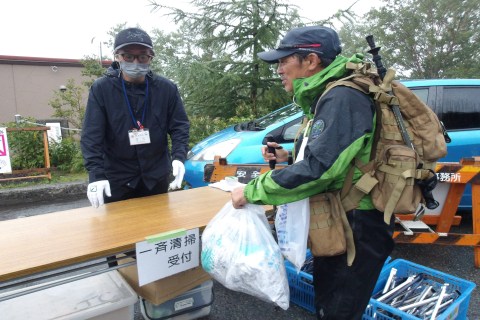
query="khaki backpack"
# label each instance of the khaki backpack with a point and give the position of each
(400, 175)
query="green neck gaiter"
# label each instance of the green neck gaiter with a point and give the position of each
(307, 89)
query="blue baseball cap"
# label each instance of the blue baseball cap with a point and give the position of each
(321, 40)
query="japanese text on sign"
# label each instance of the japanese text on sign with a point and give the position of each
(167, 255)
(245, 174)
(448, 176)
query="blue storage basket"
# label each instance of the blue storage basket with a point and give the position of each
(301, 285)
(457, 310)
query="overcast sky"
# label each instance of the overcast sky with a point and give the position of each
(65, 29)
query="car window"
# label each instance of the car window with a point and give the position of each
(422, 93)
(460, 107)
(277, 116)
(287, 132)
(292, 130)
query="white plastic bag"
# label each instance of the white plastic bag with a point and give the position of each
(239, 251)
(292, 222)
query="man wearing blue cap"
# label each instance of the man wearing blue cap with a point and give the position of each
(340, 131)
(130, 114)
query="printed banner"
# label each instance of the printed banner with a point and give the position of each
(5, 165)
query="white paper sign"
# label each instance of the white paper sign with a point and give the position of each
(5, 164)
(167, 255)
(55, 132)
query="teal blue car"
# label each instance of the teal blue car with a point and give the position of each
(455, 101)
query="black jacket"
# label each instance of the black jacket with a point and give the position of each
(105, 144)
(341, 131)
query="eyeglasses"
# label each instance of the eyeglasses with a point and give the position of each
(142, 58)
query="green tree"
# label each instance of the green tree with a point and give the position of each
(92, 70)
(213, 58)
(216, 53)
(221, 40)
(427, 38)
(70, 103)
(352, 36)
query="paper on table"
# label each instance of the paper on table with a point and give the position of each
(226, 186)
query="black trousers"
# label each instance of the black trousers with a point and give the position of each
(124, 192)
(343, 292)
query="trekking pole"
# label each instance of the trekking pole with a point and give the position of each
(271, 163)
(376, 56)
(387, 77)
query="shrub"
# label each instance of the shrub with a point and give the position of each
(26, 147)
(66, 155)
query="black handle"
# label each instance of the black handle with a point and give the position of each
(271, 163)
(371, 42)
(374, 51)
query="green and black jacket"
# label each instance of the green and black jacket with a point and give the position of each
(341, 130)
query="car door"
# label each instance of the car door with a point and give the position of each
(458, 107)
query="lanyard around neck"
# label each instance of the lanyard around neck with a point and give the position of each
(136, 123)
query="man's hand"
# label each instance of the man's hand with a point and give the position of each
(280, 155)
(95, 192)
(178, 171)
(238, 199)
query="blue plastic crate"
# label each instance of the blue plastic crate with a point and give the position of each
(301, 285)
(457, 310)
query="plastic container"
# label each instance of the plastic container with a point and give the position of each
(192, 304)
(301, 285)
(102, 297)
(457, 310)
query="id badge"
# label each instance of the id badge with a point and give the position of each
(139, 137)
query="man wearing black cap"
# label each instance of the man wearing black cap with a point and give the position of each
(339, 131)
(130, 114)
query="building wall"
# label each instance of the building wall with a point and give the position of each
(27, 84)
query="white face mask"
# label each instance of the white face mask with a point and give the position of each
(134, 70)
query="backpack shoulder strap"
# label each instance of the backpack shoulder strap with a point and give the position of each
(350, 82)
(361, 79)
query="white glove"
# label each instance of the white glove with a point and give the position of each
(178, 172)
(95, 192)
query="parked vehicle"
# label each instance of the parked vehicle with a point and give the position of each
(455, 101)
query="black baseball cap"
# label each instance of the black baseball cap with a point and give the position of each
(132, 36)
(317, 39)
